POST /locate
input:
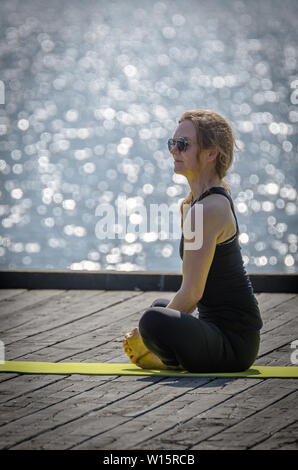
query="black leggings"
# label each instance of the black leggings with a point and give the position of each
(197, 345)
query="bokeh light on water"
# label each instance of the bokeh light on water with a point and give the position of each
(93, 90)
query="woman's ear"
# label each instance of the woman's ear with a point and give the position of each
(213, 154)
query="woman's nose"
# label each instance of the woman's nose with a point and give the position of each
(175, 150)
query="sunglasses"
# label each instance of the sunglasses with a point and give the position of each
(182, 144)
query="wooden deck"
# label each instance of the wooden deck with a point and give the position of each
(133, 412)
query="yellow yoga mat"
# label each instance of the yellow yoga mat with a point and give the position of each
(107, 368)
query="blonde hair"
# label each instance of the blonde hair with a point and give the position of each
(212, 130)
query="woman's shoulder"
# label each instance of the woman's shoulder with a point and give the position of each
(217, 212)
(216, 203)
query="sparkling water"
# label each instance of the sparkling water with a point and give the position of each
(91, 91)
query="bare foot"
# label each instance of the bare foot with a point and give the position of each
(140, 355)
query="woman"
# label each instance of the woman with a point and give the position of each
(225, 337)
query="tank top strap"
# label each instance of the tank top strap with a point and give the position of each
(223, 191)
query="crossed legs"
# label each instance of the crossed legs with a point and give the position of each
(165, 339)
(169, 339)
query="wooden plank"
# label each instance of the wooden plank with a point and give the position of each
(64, 302)
(82, 343)
(108, 333)
(39, 398)
(280, 336)
(13, 301)
(44, 392)
(132, 424)
(135, 408)
(84, 350)
(260, 425)
(268, 301)
(280, 314)
(75, 430)
(280, 328)
(192, 423)
(60, 311)
(137, 305)
(39, 427)
(285, 438)
(6, 293)
(84, 333)
(23, 385)
(38, 305)
(8, 376)
(53, 335)
(228, 416)
(278, 357)
(142, 412)
(13, 306)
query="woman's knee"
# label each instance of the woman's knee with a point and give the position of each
(151, 321)
(161, 302)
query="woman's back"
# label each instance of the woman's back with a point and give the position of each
(228, 299)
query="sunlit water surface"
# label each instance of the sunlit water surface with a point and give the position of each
(90, 93)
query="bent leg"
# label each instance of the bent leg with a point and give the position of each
(181, 339)
(160, 302)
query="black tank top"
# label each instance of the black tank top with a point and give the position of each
(228, 299)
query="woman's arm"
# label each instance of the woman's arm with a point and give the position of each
(197, 262)
(182, 302)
